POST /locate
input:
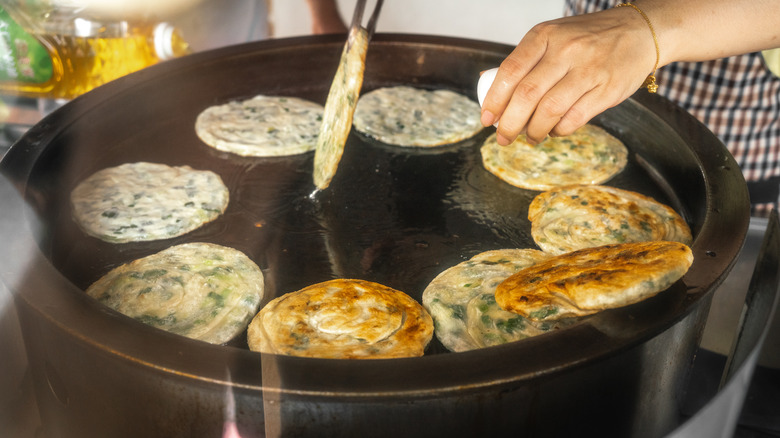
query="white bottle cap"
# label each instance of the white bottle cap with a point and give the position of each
(483, 85)
(163, 41)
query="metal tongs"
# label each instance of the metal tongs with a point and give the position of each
(342, 97)
(357, 18)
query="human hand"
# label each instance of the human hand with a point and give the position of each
(566, 71)
(325, 17)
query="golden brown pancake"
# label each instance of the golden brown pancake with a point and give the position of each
(342, 319)
(462, 303)
(589, 280)
(582, 216)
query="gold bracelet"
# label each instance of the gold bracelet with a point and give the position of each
(650, 80)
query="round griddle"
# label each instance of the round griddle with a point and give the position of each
(396, 216)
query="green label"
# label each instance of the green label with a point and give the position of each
(22, 57)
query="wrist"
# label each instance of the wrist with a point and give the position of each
(664, 26)
(650, 81)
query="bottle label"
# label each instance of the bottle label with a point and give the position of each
(22, 57)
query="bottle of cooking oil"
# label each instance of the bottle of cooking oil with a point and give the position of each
(60, 53)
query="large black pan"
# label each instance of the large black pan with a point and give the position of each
(397, 217)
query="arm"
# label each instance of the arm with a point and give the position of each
(565, 71)
(325, 17)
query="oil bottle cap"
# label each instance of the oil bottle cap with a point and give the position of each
(168, 42)
(163, 41)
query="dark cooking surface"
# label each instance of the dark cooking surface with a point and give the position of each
(395, 216)
(617, 374)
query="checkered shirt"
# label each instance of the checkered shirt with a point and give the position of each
(737, 98)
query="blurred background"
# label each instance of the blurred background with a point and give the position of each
(504, 21)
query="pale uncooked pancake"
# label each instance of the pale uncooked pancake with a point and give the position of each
(589, 280)
(143, 201)
(583, 216)
(589, 156)
(340, 107)
(407, 116)
(199, 290)
(342, 319)
(263, 126)
(462, 301)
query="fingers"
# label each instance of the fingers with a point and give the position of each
(512, 70)
(531, 92)
(581, 112)
(568, 104)
(565, 72)
(537, 104)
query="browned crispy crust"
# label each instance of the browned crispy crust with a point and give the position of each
(581, 216)
(585, 281)
(342, 319)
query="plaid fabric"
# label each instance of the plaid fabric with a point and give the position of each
(737, 98)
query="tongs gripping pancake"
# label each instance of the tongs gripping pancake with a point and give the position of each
(357, 17)
(343, 96)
